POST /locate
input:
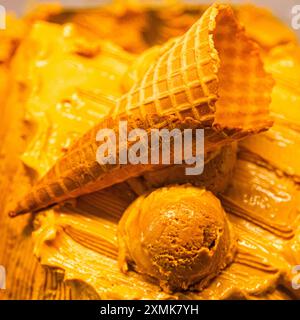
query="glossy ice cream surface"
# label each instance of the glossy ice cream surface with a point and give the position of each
(262, 202)
(178, 235)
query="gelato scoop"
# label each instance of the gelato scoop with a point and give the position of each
(179, 236)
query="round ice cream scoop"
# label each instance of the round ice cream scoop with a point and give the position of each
(179, 236)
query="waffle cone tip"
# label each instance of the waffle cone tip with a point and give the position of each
(13, 214)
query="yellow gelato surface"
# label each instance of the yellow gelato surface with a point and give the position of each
(178, 235)
(59, 77)
(69, 82)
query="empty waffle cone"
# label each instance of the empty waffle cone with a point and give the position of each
(212, 77)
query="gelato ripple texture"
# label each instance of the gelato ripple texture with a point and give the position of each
(149, 231)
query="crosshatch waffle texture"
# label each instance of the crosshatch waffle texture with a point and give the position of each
(200, 81)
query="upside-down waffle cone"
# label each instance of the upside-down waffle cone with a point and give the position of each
(212, 77)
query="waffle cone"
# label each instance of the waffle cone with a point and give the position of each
(212, 77)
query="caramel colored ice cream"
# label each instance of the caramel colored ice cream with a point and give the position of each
(177, 235)
(52, 89)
